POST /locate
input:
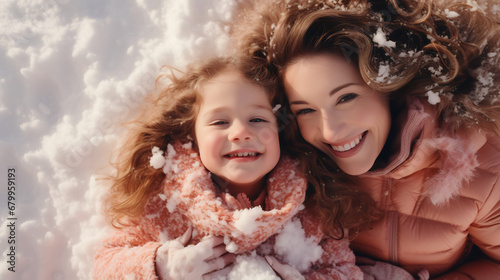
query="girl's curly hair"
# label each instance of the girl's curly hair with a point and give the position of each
(167, 115)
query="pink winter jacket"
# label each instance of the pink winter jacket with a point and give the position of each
(441, 197)
(191, 199)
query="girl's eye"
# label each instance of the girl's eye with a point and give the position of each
(347, 97)
(303, 111)
(218, 123)
(258, 120)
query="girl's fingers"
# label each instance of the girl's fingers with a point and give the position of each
(213, 247)
(220, 263)
(285, 271)
(217, 252)
(186, 237)
(212, 242)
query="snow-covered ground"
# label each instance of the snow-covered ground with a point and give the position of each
(70, 72)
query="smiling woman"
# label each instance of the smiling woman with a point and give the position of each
(399, 101)
(362, 117)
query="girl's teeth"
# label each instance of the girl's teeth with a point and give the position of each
(245, 154)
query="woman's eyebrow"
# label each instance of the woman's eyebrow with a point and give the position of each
(335, 90)
(341, 87)
(298, 102)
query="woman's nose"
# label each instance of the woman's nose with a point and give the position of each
(240, 132)
(332, 128)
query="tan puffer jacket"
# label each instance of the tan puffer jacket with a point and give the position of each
(440, 197)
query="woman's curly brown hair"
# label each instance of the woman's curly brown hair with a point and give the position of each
(445, 48)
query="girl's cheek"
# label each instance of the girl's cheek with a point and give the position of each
(268, 135)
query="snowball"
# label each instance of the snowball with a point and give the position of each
(251, 267)
(246, 219)
(295, 248)
(157, 160)
(231, 247)
(433, 97)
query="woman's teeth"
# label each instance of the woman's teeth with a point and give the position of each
(348, 146)
(245, 154)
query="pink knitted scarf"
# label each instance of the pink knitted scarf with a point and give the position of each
(191, 193)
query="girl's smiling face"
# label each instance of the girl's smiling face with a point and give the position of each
(236, 132)
(337, 112)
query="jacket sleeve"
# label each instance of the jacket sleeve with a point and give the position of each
(130, 252)
(127, 254)
(337, 262)
(485, 234)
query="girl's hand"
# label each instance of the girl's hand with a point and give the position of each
(176, 261)
(286, 272)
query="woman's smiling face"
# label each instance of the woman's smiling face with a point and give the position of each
(337, 111)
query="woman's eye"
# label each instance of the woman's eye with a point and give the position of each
(347, 97)
(303, 111)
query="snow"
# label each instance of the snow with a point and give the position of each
(173, 201)
(170, 166)
(297, 250)
(383, 72)
(254, 263)
(380, 39)
(433, 97)
(246, 219)
(72, 72)
(450, 14)
(157, 160)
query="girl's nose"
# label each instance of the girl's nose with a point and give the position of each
(240, 132)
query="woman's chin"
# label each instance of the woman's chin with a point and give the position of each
(355, 169)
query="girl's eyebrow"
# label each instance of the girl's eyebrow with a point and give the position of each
(335, 90)
(229, 108)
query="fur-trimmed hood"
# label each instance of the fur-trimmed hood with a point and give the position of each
(453, 157)
(438, 193)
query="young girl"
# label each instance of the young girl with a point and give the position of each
(200, 182)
